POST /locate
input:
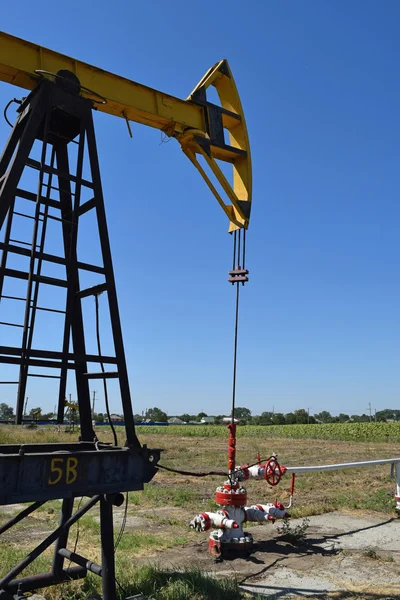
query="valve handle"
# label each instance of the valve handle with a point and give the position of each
(273, 472)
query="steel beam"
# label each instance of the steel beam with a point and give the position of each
(20, 59)
(37, 474)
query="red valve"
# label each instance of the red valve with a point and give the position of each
(273, 472)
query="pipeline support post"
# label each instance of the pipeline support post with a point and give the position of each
(397, 495)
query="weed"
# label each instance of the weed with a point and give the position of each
(388, 558)
(293, 534)
(371, 553)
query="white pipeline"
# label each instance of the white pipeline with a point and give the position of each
(350, 465)
(395, 462)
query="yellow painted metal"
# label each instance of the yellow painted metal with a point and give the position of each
(238, 212)
(20, 59)
(71, 405)
(189, 121)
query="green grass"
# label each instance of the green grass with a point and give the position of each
(170, 584)
(137, 542)
(352, 432)
(153, 582)
(10, 556)
(375, 500)
(157, 495)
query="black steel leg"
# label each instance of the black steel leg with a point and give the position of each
(112, 294)
(58, 560)
(107, 550)
(74, 316)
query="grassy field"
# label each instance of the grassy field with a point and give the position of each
(158, 516)
(352, 432)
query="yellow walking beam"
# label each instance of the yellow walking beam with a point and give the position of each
(197, 124)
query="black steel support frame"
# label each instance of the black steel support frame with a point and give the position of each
(36, 121)
(26, 470)
(9, 585)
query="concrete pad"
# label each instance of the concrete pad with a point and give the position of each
(346, 538)
(350, 532)
(287, 583)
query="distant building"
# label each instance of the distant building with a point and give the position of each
(229, 420)
(176, 421)
(207, 420)
(117, 419)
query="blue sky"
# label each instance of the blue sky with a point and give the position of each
(319, 85)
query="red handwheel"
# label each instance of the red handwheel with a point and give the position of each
(273, 472)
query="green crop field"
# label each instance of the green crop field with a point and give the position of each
(348, 432)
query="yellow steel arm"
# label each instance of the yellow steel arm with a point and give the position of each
(197, 124)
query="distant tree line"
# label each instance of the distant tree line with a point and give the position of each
(300, 416)
(7, 413)
(243, 414)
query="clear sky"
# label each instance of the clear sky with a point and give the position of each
(320, 88)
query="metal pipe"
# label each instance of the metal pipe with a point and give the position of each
(66, 513)
(81, 560)
(350, 465)
(34, 582)
(24, 513)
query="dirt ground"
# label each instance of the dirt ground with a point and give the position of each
(349, 551)
(351, 547)
(344, 555)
